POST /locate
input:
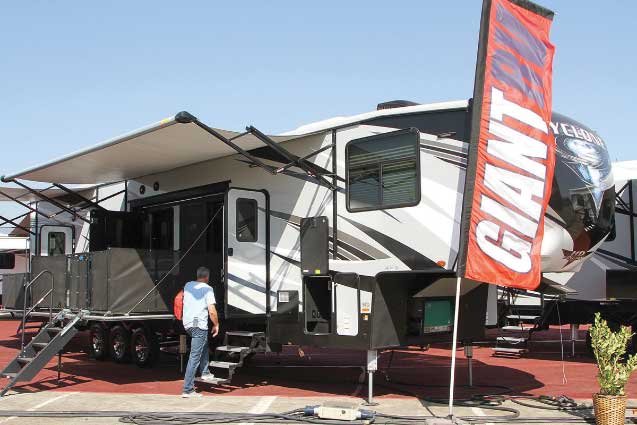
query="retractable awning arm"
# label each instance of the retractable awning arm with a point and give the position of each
(17, 225)
(45, 198)
(294, 161)
(185, 118)
(80, 197)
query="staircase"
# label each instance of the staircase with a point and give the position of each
(237, 346)
(40, 350)
(513, 340)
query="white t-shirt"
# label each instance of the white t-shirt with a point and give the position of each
(197, 297)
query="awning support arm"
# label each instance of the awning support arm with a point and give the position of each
(308, 156)
(185, 118)
(10, 221)
(299, 162)
(27, 206)
(78, 196)
(46, 198)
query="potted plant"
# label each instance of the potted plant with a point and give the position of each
(614, 371)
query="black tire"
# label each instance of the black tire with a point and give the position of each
(119, 347)
(144, 347)
(98, 345)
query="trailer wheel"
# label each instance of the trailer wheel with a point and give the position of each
(144, 347)
(98, 347)
(120, 344)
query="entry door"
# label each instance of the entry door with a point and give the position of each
(246, 272)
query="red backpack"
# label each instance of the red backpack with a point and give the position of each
(178, 306)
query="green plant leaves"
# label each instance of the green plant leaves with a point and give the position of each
(610, 348)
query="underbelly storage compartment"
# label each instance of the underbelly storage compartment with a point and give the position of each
(317, 304)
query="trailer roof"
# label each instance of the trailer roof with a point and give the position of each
(159, 147)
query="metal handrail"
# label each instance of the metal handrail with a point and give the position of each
(24, 308)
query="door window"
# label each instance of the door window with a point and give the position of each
(246, 220)
(57, 243)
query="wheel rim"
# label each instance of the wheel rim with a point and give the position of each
(119, 346)
(98, 342)
(142, 350)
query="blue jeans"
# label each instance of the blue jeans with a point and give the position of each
(198, 357)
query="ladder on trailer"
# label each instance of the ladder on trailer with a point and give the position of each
(50, 341)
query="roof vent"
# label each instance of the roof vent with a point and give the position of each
(395, 104)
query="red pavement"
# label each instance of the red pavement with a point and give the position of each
(424, 373)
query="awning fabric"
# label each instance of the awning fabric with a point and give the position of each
(159, 147)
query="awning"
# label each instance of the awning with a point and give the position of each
(171, 143)
(7, 193)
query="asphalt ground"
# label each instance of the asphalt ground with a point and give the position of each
(404, 385)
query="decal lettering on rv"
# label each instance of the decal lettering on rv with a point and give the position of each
(515, 151)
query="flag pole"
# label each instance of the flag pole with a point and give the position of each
(454, 345)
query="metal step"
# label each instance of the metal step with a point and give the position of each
(511, 339)
(223, 365)
(510, 350)
(232, 349)
(522, 317)
(215, 381)
(39, 345)
(516, 328)
(37, 353)
(247, 334)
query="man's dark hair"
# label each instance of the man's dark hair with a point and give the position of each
(203, 272)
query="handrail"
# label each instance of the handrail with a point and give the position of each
(24, 307)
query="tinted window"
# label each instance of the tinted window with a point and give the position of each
(57, 243)
(382, 171)
(7, 260)
(246, 220)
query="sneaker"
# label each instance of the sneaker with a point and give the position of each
(191, 394)
(207, 377)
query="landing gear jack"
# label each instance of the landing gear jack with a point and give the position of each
(372, 366)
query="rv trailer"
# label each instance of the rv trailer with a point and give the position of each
(604, 283)
(341, 233)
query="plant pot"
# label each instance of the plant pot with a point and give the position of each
(609, 409)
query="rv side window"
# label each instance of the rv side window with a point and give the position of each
(7, 260)
(383, 171)
(246, 220)
(57, 243)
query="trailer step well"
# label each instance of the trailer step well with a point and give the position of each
(40, 350)
(238, 345)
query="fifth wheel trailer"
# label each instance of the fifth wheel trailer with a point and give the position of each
(342, 233)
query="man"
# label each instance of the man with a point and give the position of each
(199, 304)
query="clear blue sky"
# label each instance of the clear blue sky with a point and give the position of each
(77, 72)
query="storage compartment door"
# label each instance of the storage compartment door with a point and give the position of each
(246, 272)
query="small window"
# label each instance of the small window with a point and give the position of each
(383, 171)
(246, 220)
(7, 260)
(57, 243)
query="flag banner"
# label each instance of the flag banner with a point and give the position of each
(512, 148)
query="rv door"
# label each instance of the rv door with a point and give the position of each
(56, 240)
(247, 246)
